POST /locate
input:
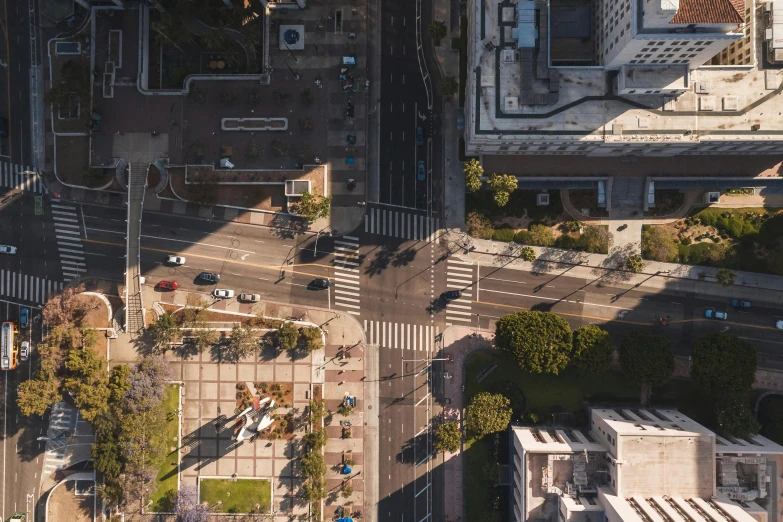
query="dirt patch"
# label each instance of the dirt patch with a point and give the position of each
(97, 312)
(64, 505)
(281, 392)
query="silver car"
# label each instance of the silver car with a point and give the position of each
(223, 293)
(24, 350)
(176, 260)
(250, 298)
(7, 249)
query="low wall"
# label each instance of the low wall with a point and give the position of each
(254, 124)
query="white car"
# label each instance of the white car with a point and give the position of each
(779, 325)
(7, 249)
(223, 293)
(176, 260)
(251, 298)
(24, 350)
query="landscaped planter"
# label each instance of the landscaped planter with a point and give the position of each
(254, 124)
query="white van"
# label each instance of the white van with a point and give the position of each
(7, 249)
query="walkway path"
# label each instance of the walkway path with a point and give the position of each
(134, 321)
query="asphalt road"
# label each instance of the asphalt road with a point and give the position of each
(15, 78)
(21, 454)
(404, 108)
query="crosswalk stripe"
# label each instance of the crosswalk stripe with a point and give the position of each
(63, 231)
(65, 257)
(66, 219)
(338, 303)
(459, 281)
(460, 268)
(66, 207)
(453, 318)
(355, 246)
(71, 250)
(63, 212)
(346, 292)
(59, 225)
(450, 306)
(345, 280)
(458, 262)
(449, 311)
(352, 238)
(349, 299)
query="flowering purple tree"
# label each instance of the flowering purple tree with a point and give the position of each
(147, 384)
(188, 508)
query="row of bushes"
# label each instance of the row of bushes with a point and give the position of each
(755, 225)
(521, 203)
(592, 238)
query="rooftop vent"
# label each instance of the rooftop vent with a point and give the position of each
(296, 187)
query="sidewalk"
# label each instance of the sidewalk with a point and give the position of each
(658, 276)
(459, 344)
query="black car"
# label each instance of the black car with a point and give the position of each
(450, 295)
(321, 283)
(209, 277)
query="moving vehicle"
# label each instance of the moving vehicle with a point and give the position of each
(209, 277)
(223, 293)
(19, 517)
(450, 295)
(24, 318)
(7, 249)
(419, 137)
(175, 260)
(420, 173)
(8, 352)
(168, 285)
(736, 303)
(250, 298)
(24, 351)
(711, 313)
(779, 325)
(321, 283)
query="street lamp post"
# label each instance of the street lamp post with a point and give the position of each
(289, 51)
(296, 76)
(315, 248)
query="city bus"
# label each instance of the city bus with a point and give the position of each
(8, 352)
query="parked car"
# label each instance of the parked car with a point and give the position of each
(321, 283)
(7, 249)
(24, 318)
(711, 313)
(175, 260)
(736, 303)
(450, 295)
(223, 293)
(209, 277)
(168, 285)
(779, 325)
(419, 137)
(420, 171)
(24, 350)
(251, 298)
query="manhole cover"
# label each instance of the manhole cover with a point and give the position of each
(291, 36)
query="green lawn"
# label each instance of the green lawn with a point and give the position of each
(545, 394)
(163, 498)
(477, 492)
(236, 496)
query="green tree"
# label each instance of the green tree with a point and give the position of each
(203, 337)
(725, 277)
(595, 239)
(448, 437)
(311, 338)
(164, 330)
(540, 235)
(35, 395)
(242, 341)
(437, 31)
(88, 382)
(634, 264)
(658, 245)
(723, 364)
(735, 417)
(478, 225)
(346, 490)
(447, 86)
(473, 172)
(312, 207)
(527, 254)
(315, 440)
(315, 412)
(488, 413)
(313, 465)
(314, 490)
(646, 358)
(287, 335)
(502, 185)
(593, 350)
(539, 341)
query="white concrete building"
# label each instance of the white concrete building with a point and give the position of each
(620, 78)
(641, 465)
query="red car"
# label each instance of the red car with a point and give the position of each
(168, 285)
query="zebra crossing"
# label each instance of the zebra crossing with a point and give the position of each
(404, 225)
(20, 177)
(27, 288)
(346, 274)
(459, 276)
(403, 336)
(69, 240)
(59, 422)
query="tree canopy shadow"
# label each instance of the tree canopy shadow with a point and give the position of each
(404, 258)
(381, 261)
(287, 227)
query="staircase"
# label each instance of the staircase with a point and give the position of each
(134, 307)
